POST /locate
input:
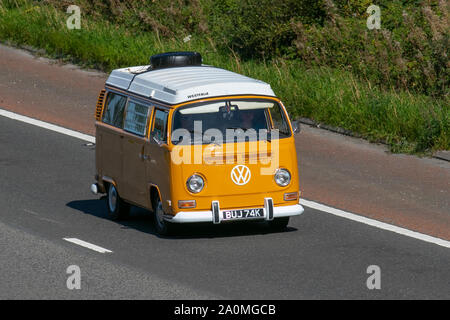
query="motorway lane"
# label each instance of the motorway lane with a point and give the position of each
(33, 267)
(44, 183)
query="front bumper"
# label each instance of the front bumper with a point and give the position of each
(215, 214)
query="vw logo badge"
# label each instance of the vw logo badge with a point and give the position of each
(240, 175)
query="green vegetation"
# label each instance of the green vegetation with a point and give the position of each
(388, 85)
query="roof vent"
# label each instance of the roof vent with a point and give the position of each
(175, 59)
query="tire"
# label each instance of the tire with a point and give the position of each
(162, 226)
(175, 59)
(117, 208)
(279, 223)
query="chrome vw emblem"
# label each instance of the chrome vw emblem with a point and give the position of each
(240, 175)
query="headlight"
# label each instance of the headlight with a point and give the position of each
(282, 177)
(195, 183)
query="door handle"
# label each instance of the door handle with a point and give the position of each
(144, 156)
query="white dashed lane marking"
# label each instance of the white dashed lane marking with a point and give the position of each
(88, 245)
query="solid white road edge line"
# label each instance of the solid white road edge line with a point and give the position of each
(375, 223)
(88, 245)
(47, 125)
(307, 203)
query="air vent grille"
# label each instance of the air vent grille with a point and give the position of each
(99, 107)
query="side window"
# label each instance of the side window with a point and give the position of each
(115, 106)
(279, 120)
(160, 126)
(136, 118)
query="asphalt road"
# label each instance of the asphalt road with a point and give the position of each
(44, 197)
(340, 171)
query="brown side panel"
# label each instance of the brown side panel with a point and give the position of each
(158, 170)
(109, 153)
(98, 138)
(134, 187)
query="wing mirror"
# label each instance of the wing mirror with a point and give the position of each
(155, 137)
(296, 126)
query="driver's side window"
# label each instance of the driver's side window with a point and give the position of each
(160, 125)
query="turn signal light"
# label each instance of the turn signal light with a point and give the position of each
(186, 204)
(291, 196)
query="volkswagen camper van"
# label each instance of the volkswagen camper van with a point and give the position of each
(194, 143)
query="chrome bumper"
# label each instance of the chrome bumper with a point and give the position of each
(215, 214)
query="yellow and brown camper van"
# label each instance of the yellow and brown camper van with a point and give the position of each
(194, 143)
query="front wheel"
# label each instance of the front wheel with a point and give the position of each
(163, 227)
(117, 208)
(279, 223)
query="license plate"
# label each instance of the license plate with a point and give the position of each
(243, 214)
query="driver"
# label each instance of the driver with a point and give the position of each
(247, 120)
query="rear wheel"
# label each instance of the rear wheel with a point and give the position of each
(162, 226)
(117, 208)
(279, 223)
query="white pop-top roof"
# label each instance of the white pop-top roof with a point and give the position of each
(180, 84)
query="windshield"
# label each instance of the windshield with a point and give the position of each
(253, 118)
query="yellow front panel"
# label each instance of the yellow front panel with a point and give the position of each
(219, 184)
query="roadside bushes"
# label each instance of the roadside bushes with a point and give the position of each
(409, 52)
(261, 29)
